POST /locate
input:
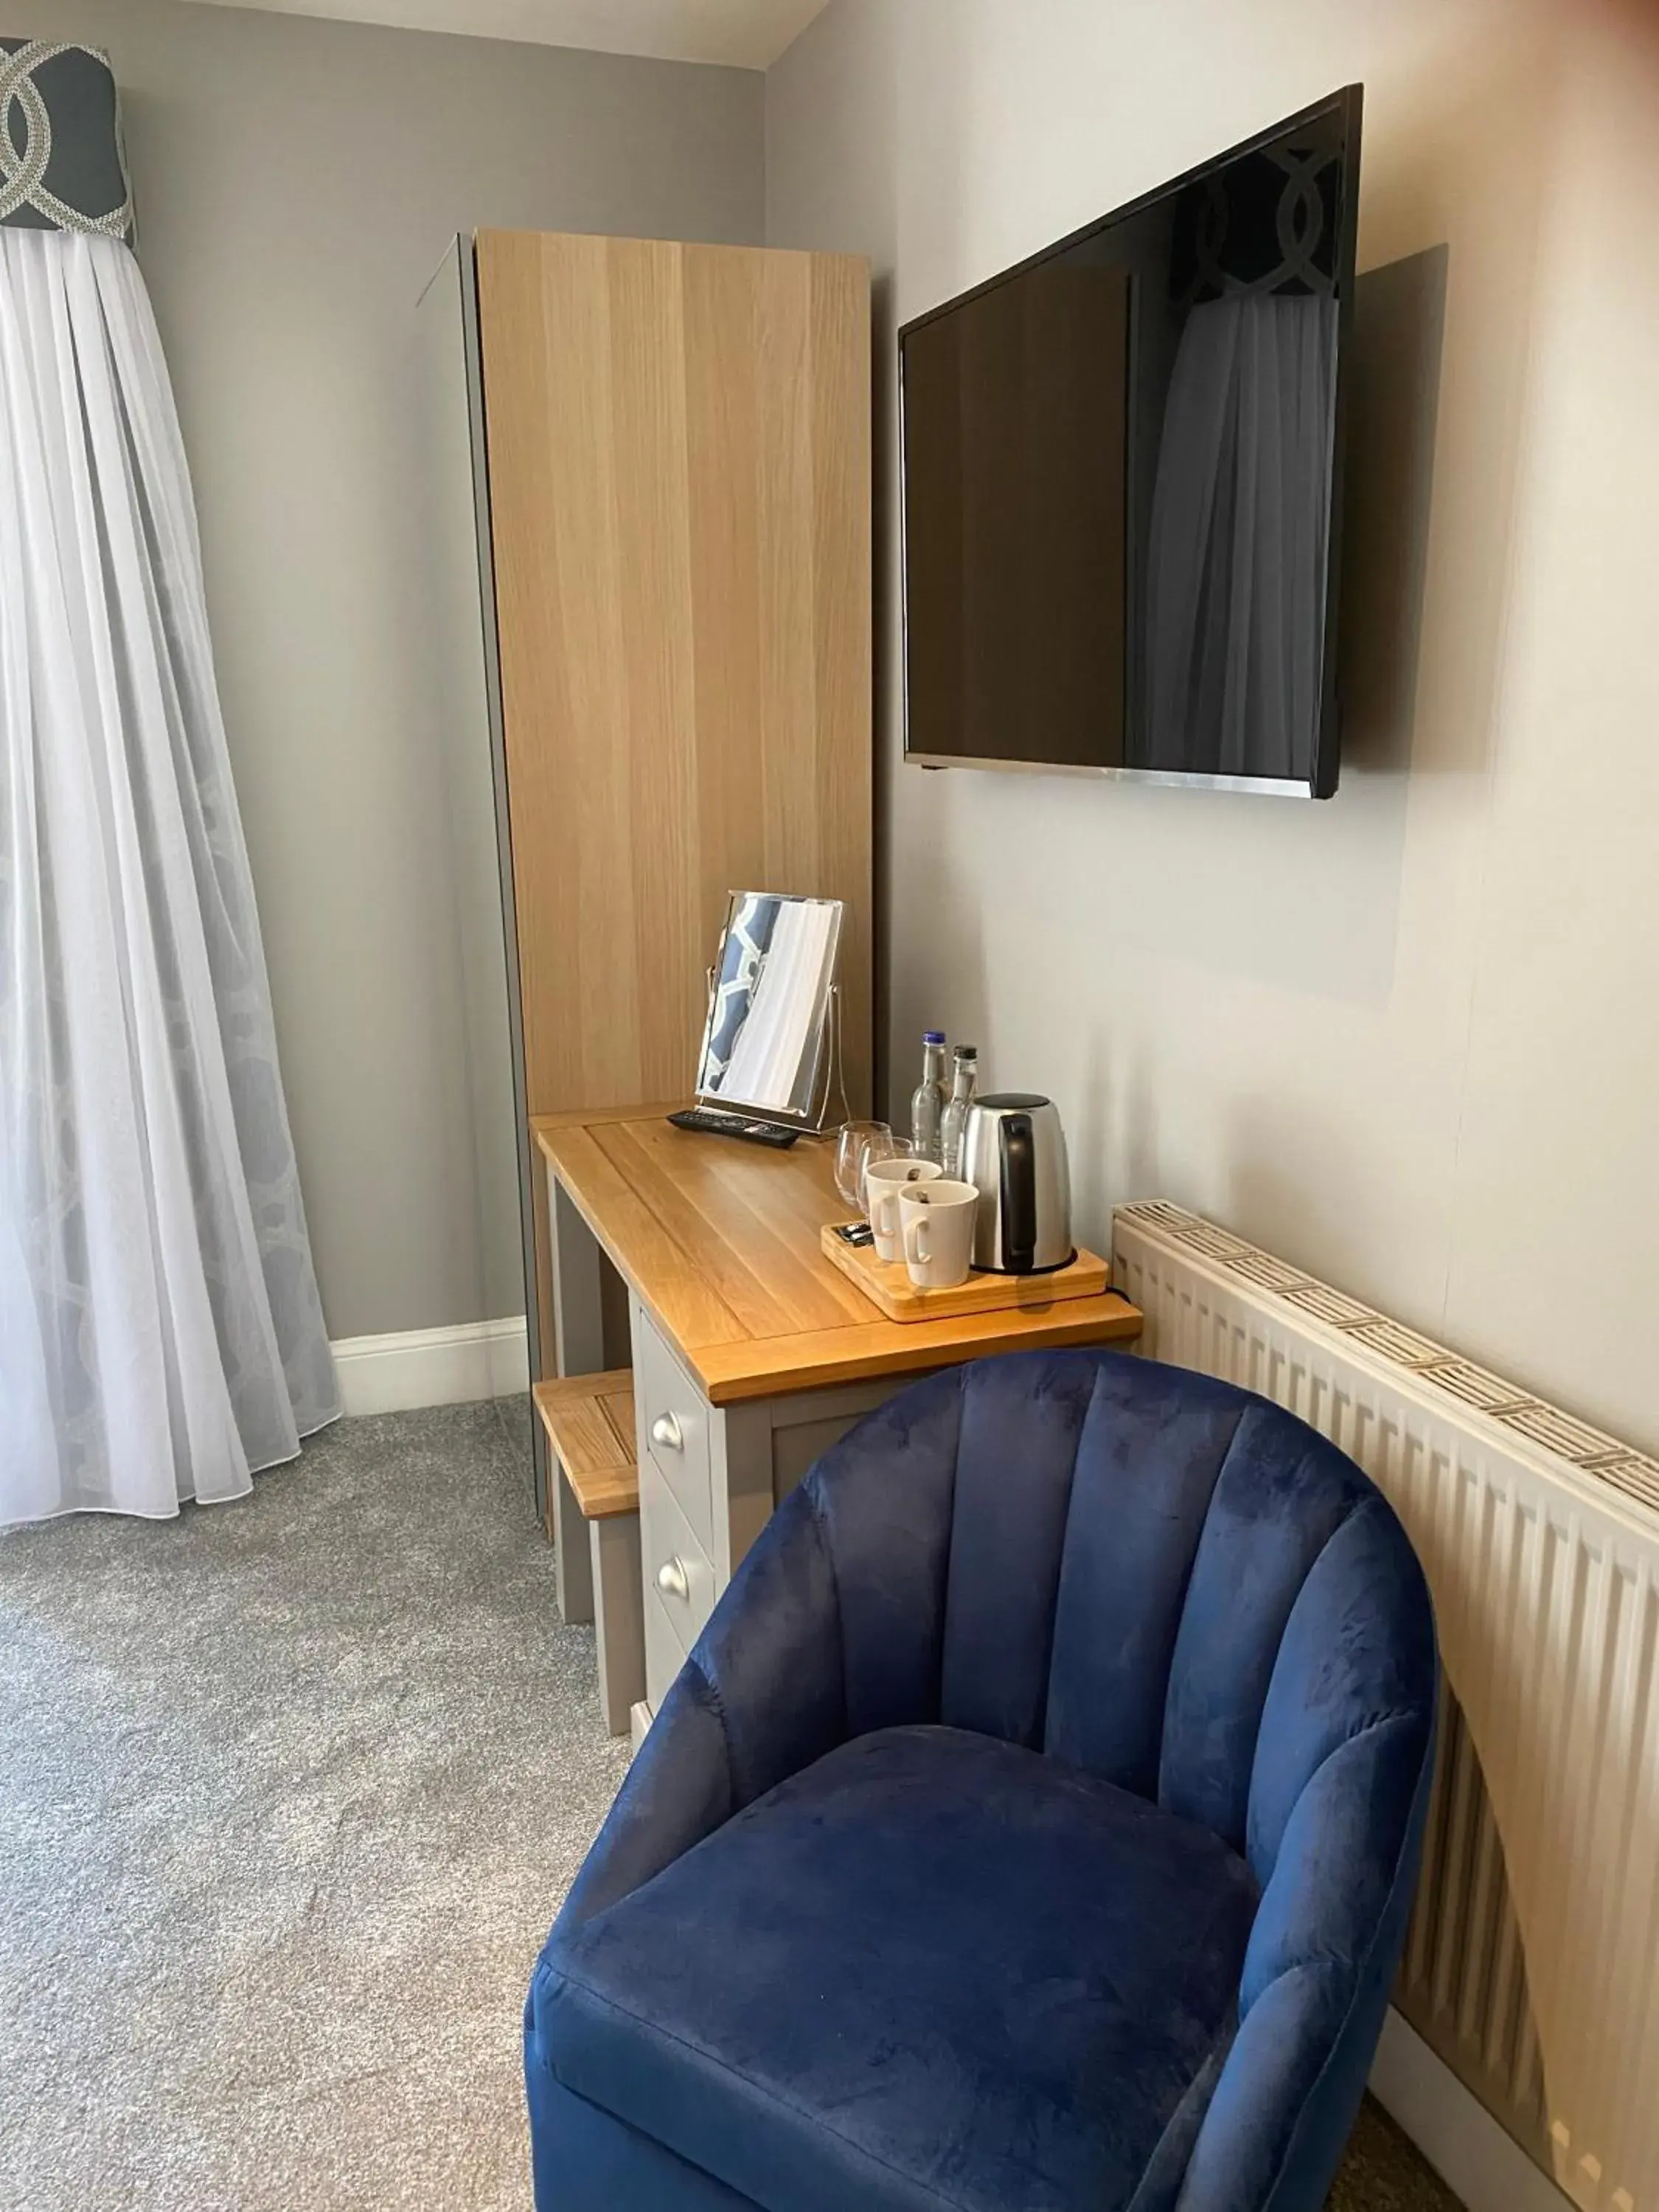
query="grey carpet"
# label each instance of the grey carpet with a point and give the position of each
(289, 1791)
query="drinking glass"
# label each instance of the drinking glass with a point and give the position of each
(856, 1145)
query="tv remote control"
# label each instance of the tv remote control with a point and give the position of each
(707, 1122)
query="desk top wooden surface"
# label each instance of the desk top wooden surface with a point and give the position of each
(719, 1240)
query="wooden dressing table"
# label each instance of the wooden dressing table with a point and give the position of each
(749, 1352)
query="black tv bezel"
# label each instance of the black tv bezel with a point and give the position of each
(1348, 103)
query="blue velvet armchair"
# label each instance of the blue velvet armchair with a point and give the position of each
(1033, 1828)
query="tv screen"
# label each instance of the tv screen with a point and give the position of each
(1122, 484)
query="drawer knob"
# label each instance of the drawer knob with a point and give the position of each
(666, 1431)
(673, 1581)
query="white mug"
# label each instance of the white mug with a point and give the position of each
(882, 1182)
(936, 1222)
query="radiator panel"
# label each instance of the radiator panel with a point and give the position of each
(1529, 1967)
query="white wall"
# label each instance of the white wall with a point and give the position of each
(297, 181)
(1410, 1038)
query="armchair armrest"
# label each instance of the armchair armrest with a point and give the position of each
(762, 1695)
(1338, 1800)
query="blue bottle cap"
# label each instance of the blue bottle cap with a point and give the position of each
(933, 1037)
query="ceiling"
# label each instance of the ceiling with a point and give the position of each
(746, 33)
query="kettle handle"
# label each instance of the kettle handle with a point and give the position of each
(1017, 1179)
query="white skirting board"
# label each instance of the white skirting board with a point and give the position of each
(1476, 2159)
(433, 1366)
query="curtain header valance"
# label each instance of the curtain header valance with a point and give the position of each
(62, 163)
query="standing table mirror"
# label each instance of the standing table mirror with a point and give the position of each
(769, 1046)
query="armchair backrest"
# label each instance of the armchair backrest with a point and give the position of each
(1147, 1573)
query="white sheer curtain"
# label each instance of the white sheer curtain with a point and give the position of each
(1235, 567)
(161, 1333)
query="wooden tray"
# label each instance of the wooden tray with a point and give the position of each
(886, 1283)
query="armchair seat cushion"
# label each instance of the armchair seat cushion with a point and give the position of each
(931, 1969)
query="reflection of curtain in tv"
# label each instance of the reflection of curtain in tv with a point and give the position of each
(1236, 572)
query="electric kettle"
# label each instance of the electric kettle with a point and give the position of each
(1013, 1152)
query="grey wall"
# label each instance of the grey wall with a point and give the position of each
(1410, 1038)
(297, 181)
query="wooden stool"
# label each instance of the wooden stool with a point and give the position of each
(589, 1419)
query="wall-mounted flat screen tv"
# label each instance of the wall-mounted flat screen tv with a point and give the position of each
(1122, 467)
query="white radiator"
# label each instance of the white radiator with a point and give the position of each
(1531, 1964)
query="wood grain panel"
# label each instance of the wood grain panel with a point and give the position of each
(732, 1373)
(672, 939)
(840, 512)
(678, 442)
(723, 499)
(721, 1241)
(789, 691)
(743, 1246)
(886, 1283)
(638, 1245)
(589, 1419)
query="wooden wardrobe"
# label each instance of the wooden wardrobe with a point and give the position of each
(673, 445)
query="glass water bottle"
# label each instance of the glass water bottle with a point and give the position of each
(965, 1076)
(928, 1100)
